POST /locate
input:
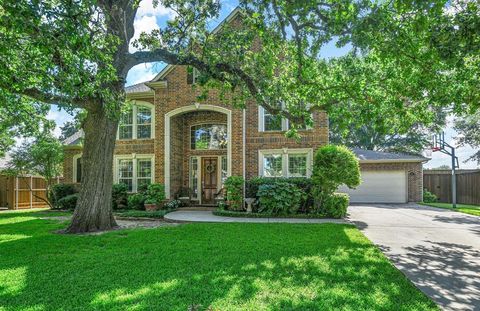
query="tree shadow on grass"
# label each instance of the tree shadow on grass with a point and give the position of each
(223, 266)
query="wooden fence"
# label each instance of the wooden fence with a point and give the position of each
(23, 191)
(439, 182)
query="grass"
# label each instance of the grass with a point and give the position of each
(263, 215)
(197, 267)
(141, 214)
(463, 208)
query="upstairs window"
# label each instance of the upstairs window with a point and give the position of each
(136, 123)
(268, 122)
(125, 127)
(208, 136)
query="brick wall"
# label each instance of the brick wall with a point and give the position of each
(179, 94)
(414, 173)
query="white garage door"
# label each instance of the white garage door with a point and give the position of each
(379, 187)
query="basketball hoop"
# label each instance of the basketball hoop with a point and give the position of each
(439, 144)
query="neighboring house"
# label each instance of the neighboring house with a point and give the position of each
(170, 138)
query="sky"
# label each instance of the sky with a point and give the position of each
(149, 18)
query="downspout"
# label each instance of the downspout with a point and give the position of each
(244, 140)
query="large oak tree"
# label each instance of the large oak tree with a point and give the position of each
(409, 56)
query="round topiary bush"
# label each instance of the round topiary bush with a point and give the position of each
(333, 166)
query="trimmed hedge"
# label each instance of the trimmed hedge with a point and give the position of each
(280, 198)
(302, 183)
(263, 215)
(119, 196)
(334, 205)
(135, 201)
(68, 202)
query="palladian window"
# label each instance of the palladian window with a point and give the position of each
(208, 136)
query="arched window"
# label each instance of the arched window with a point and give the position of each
(137, 122)
(208, 136)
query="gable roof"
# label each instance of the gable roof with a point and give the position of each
(137, 88)
(74, 139)
(163, 73)
(379, 156)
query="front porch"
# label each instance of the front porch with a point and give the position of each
(197, 158)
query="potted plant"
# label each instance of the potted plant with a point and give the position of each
(155, 196)
(150, 205)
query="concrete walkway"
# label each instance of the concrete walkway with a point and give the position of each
(207, 216)
(437, 249)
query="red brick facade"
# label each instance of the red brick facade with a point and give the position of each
(176, 101)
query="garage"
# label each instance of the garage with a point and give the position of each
(380, 187)
(387, 178)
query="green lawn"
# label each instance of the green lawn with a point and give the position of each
(464, 208)
(201, 266)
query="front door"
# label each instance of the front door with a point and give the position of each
(209, 180)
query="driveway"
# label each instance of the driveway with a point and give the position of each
(437, 249)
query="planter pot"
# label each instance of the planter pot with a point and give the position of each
(150, 207)
(249, 202)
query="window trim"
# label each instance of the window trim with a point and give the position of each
(134, 157)
(207, 123)
(135, 105)
(285, 152)
(74, 159)
(285, 123)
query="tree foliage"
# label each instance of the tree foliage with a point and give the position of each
(468, 129)
(364, 127)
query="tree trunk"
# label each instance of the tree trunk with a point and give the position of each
(94, 206)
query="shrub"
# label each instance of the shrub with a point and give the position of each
(234, 192)
(429, 197)
(155, 193)
(334, 166)
(119, 196)
(334, 205)
(279, 198)
(135, 201)
(303, 183)
(142, 188)
(174, 204)
(68, 202)
(60, 191)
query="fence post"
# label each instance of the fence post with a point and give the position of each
(31, 191)
(16, 192)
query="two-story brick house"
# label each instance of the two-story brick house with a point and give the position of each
(169, 137)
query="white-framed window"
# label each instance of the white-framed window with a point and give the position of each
(77, 168)
(137, 122)
(134, 170)
(285, 162)
(270, 123)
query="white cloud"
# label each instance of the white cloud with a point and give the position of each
(60, 118)
(146, 9)
(142, 73)
(147, 24)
